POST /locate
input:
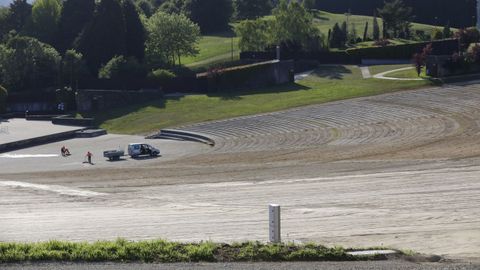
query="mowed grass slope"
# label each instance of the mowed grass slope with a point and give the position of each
(217, 48)
(325, 21)
(327, 83)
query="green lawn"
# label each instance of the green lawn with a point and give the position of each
(327, 83)
(325, 21)
(217, 48)
(213, 49)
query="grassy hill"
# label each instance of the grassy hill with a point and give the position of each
(217, 48)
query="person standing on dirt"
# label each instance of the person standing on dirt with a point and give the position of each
(89, 157)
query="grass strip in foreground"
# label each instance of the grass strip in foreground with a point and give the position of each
(161, 251)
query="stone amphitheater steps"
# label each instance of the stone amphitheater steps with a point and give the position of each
(401, 119)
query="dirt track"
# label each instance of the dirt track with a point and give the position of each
(400, 170)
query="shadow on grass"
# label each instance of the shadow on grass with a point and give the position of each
(236, 94)
(333, 72)
(319, 15)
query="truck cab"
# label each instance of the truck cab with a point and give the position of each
(142, 149)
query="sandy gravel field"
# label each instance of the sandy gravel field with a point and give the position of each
(400, 170)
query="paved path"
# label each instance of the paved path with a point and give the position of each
(20, 129)
(365, 72)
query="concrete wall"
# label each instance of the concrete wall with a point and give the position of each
(250, 76)
(100, 100)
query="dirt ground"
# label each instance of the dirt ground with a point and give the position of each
(400, 170)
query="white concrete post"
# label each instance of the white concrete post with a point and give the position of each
(274, 223)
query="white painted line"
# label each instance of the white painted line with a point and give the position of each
(27, 156)
(372, 252)
(383, 77)
(51, 188)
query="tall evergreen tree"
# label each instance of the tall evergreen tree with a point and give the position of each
(376, 27)
(134, 30)
(104, 37)
(365, 32)
(337, 37)
(75, 15)
(447, 33)
(210, 15)
(20, 12)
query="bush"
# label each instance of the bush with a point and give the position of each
(161, 75)
(437, 34)
(3, 99)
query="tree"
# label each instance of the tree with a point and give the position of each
(73, 67)
(27, 63)
(365, 32)
(20, 12)
(337, 37)
(75, 15)
(310, 4)
(352, 35)
(210, 15)
(121, 69)
(420, 59)
(172, 6)
(344, 32)
(447, 33)
(4, 13)
(293, 27)
(251, 9)
(134, 30)
(376, 28)
(145, 7)
(170, 37)
(253, 34)
(45, 17)
(396, 18)
(104, 36)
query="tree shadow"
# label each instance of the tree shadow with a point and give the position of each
(320, 15)
(238, 93)
(333, 72)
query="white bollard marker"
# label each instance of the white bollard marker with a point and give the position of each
(274, 223)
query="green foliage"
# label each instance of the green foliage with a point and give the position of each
(399, 51)
(134, 30)
(26, 63)
(309, 4)
(73, 67)
(104, 36)
(253, 34)
(45, 17)
(437, 34)
(146, 7)
(337, 38)
(210, 15)
(294, 24)
(251, 9)
(121, 69)
(172, 6)
(3, 99)
(75, 15)
(160, 75)
(447, 32)
(4, 14)
(170, 37)
(20, 12)
(365, 32)
(396, 18)
(376, 28)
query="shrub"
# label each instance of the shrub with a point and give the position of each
(437, 34)
(382, 42)
(161, 75)
(3, 99)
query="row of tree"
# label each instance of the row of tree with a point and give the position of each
(90, 36)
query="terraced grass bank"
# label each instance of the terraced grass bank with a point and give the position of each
(161, 251)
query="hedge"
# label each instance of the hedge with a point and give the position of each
(405, 51)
